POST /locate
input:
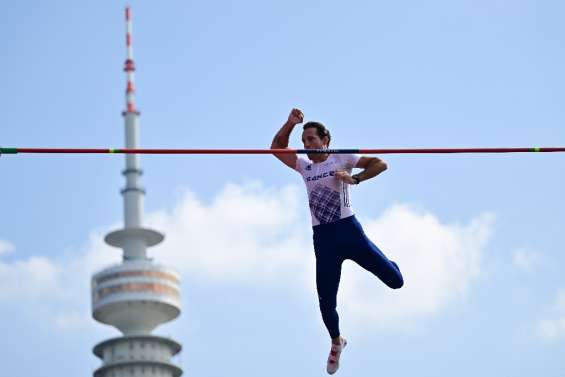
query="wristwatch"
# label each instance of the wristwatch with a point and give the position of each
(356, 179)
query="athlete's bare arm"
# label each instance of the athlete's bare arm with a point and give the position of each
(372, 166)
(280, 141)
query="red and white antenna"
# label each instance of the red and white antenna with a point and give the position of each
(129, 65)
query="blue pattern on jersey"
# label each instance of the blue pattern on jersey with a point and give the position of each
(325, 204)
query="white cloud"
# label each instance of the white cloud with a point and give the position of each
(249, 234)
(525, 259)
(55, 287)
(439, 263)
(32, 277)
(6, 247)
(554, 328)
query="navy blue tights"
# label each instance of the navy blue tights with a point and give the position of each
(336, 242)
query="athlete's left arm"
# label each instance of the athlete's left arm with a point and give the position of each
(372, 166)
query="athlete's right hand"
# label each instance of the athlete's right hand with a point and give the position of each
(296, 116)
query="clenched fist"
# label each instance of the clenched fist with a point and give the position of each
(296, 116)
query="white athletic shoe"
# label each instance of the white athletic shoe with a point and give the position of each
(333, 358)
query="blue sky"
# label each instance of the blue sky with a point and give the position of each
(479, 238)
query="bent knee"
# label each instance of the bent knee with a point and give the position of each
(396, 283)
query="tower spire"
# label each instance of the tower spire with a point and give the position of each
(129, 65)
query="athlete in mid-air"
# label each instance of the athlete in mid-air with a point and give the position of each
(337, 233)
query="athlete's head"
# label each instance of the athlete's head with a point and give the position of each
(315, 136)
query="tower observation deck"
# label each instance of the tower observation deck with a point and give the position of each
(137, 295)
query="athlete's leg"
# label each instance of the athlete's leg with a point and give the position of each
(328, 273)
(366, 254)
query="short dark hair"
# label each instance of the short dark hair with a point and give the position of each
(321, 130)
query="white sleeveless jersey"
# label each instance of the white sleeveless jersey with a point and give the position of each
(328, 196)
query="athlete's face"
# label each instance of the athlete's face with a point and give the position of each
(311, 140)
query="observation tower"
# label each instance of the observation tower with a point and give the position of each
(137, 295)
